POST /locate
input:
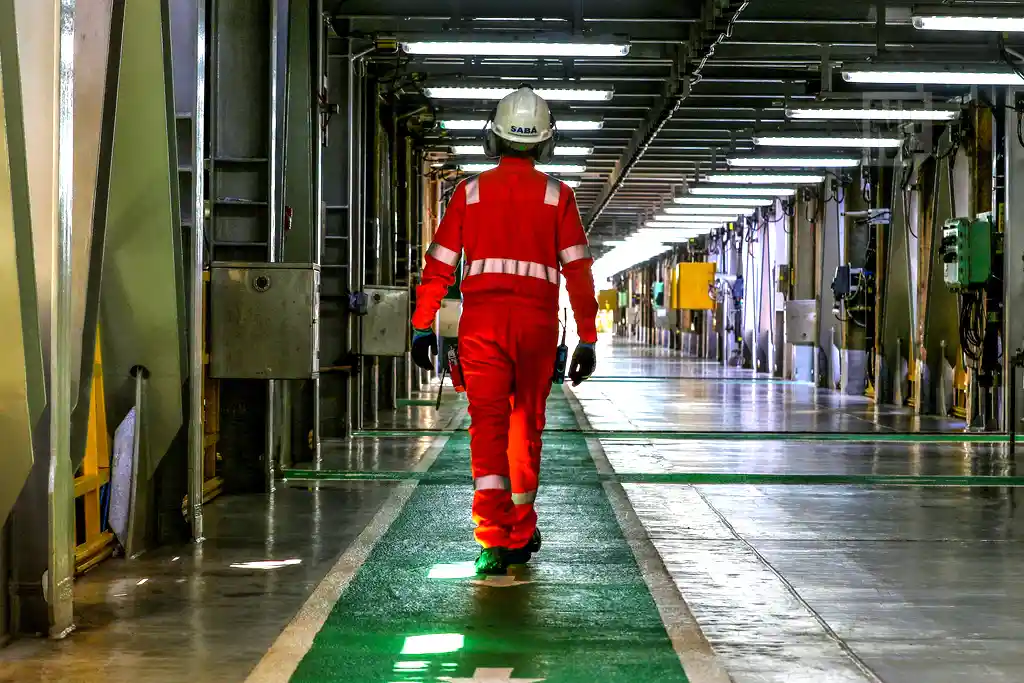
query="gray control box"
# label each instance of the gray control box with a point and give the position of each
(801, 321)
(264, 320)
(386, 323)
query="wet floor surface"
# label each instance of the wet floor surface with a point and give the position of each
(794, 583)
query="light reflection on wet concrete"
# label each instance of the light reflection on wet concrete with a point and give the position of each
(820, 583)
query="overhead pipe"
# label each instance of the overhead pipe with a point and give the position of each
(646, 135)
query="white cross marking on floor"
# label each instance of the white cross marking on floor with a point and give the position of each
(500, 581)
(494, 676)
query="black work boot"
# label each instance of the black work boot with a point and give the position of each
(525, 554)
(492, 561)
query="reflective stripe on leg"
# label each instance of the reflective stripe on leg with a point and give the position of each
(526, 498)
(492, 482)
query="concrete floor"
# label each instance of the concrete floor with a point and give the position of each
(789, 583)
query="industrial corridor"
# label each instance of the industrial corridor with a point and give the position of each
(673, 541)
(542, 341)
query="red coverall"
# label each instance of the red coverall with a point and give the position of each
(518, 227)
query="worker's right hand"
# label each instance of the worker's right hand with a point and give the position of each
(424, 343)
(584, 362)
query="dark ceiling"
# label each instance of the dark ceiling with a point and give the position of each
(700, 78)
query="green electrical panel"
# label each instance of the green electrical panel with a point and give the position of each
(659, 294)
(967, 252)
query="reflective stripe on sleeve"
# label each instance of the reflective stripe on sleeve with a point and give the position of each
(473, 191)
(492, 482)
(508, 266)
(524, 498)
(580, 251)
(443, 254)
(552, 192)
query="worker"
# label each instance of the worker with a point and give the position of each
(521, 232)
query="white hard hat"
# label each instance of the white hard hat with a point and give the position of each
(523, 117)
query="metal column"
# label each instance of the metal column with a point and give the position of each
(1013, 249)
(197, 262)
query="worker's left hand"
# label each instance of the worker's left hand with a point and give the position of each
(424, 343)
(584, 361)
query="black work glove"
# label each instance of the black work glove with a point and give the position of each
(584, 361)
(424, 343)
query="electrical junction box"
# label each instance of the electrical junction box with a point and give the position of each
(448, 318)
(694, 284)
(967, 252)
(801, 321)
(845, 284)
(661, 319)
(385, 330)
(264, 321)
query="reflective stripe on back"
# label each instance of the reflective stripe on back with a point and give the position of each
(508, 266)
(552, 192)
(570, 254)
(443, 254)
(527, 498)
(473, 191)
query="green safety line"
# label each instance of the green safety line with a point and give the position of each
(584, 615)
(860, 437)
(575, 476)
(404, 402)
(729, 380)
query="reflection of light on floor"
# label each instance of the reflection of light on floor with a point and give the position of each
(435, 643)
(458, 570)
(411, 666)
(266, 564)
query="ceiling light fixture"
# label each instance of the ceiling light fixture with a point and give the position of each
(560, 125)
(943, 18)
(516, 49)
(744, 191)
(793, 162)
(696, 218)
(703, 225)
(871, 114)
(826, 141)
(765, 178)
(474, 167)
(741, 202)
(560, 150)
(712, 210)
(932, 76)
(460, 92)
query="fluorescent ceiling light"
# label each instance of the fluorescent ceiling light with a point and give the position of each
(698, 202)
(563, 126)
(696, 218)
(517, 49)
(496, 93)
(945, 22)
(267, 564)
(711, 210)
(560, 150)
(872, 114)
(932, 77)
(702, 225)
(766, 178)
(543, 168)
(794, 162)
(571, 183)
(826, 141)
(744, 191)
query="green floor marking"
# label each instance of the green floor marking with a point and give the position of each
(671, 435)
(580, 613)
(570, 476)
(404, 402)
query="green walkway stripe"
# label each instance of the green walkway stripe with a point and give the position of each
(698, 378)
(860, 437)
(587, 477)
(583, 615)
